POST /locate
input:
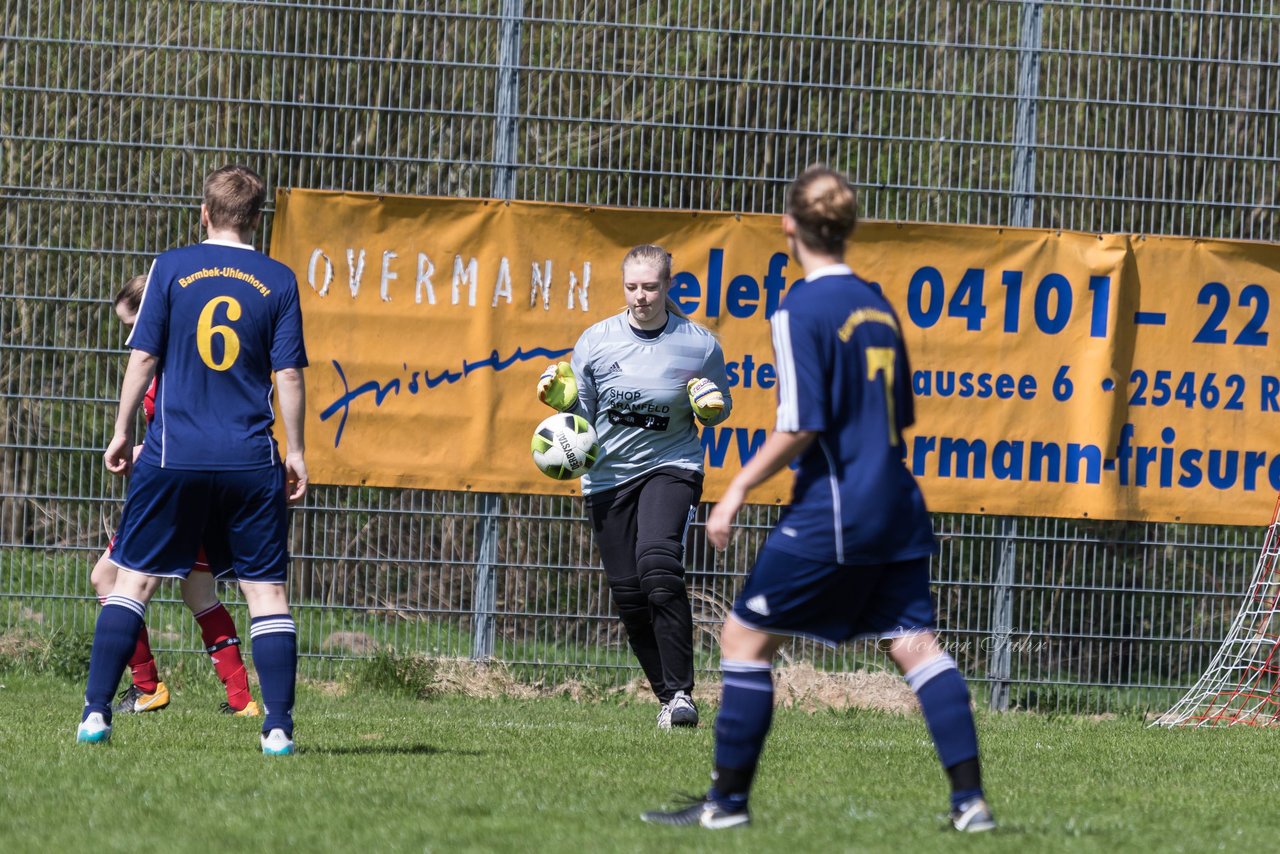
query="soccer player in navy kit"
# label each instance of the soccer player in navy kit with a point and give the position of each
(645, 379)
(217, 319)
(850, 556)
(147, 692)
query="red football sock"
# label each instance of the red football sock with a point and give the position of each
(143, 665)
(218, 631)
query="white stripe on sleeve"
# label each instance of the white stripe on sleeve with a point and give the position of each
(788, 396)
(145, 290)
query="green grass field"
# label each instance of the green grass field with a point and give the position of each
(381, 772)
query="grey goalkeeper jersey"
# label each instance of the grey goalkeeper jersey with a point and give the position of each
(633, 390)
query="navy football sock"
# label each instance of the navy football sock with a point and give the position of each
(944, 699)
(746, 711)
(275, 657)
(114, 639)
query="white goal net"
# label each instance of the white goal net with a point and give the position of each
(1242, 683)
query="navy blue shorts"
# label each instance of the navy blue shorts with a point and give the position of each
(240, 517)
(833, 603)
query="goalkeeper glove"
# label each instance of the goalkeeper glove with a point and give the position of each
(706, 399)
(557, 388)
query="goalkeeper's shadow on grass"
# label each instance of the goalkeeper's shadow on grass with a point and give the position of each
(386, 750)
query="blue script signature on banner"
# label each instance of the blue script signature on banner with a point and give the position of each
(419, 381)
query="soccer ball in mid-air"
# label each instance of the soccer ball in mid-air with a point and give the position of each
(564, 446)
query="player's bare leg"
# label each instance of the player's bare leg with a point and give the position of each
(136, 585)
(275, 655)
(103, 577)
(199, 591)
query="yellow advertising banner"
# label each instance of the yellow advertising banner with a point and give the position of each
(1055, 373)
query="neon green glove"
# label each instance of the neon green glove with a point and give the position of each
(706, 399)
(557, 388)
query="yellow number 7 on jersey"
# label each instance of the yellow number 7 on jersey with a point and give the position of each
(206, 329)
(880, 361)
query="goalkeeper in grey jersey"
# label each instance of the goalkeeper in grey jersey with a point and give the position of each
(645, 378)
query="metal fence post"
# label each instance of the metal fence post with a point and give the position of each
(504, 133)
(999, 664)
(484, 593)
(484, 596)
(1024, 115)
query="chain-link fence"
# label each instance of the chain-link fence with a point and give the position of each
(1129, 116)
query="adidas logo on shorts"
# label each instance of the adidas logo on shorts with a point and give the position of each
(759, 605)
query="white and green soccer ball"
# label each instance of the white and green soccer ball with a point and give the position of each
(564, 446)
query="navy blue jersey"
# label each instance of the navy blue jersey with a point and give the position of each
(843, 373)
(220, 317)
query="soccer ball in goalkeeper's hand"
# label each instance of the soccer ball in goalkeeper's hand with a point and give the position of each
(564, 446)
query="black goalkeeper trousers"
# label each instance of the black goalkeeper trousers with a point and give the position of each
(640, 528)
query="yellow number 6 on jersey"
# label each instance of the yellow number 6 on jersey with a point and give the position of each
(206, 329)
